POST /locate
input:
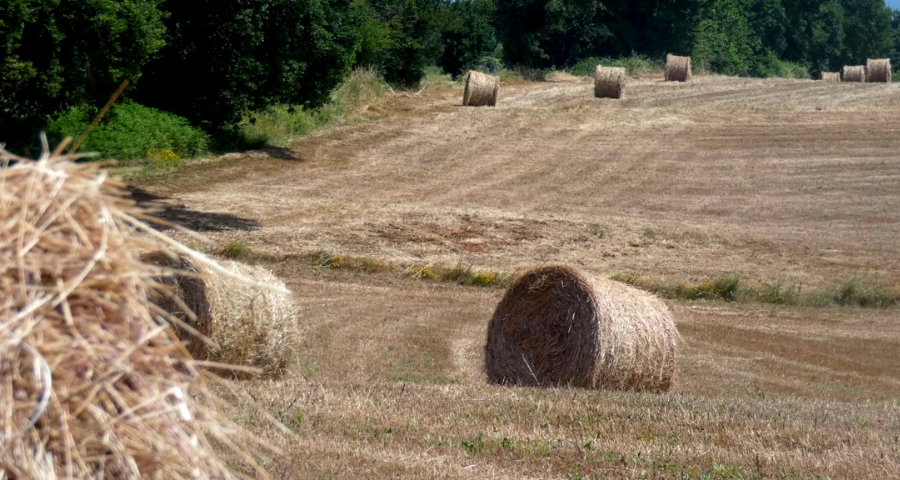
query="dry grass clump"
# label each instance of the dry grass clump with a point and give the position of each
(678, 69)
(831, 76)
(481, 90)
(855, 74)
(247, 325)
(92, 383)
(557, 327)
(879, 70)
(609, 82)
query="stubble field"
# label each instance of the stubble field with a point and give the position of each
(780, 182)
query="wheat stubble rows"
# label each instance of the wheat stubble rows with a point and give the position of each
(777, 180)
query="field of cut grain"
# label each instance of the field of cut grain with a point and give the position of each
(777, 182)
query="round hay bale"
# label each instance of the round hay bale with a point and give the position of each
(855, 74)
(678, 69)
(99, 388)
(481, 90)
(609, 82)
(557, 327)
(247, 325)
(879, 71)
(831, 76)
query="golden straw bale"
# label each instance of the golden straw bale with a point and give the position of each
(609, 82)
(855, 74)
(678, 69)
(831, 76)
(879, 71)
(99, 386)
(481, 90)
(249, 326)
(558, 327)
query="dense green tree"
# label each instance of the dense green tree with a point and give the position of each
(226, 57)
(59, 53)
(413, 41)
(470, 37)
(867, 31)
(723, 39)
(895, 56)
(551, 33)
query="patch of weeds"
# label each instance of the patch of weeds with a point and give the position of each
(524, 73)
(729, 472)
(363, 264)
(236, 249)
(421, 273)
(436, 78)
(469, 277)
(774, 293)
(475, 445)
(723, 288)
(634, 65)
(855, 291)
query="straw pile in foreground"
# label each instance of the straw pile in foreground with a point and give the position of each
(249, 326)
(556, 327)
(855, 74)
(609, 82)
(92, 383)
(879, 71)
(831, 76)
(678, 69)
(481, 90)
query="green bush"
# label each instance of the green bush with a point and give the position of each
(131, 131)
(769, 65)
(634, 65)
(55, 54)
(280, 124)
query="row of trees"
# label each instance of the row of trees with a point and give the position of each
(212, 60)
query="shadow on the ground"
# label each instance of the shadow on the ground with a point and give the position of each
(191, 219)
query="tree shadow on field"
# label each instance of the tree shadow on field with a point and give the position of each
(191, 219)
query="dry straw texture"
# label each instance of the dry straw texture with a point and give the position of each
(831, 76)
(855, 74)
(248, 325)
(879, 71)
(93, 384)
(609, 82)
(556, 327)
(481, 90)
(678, 69)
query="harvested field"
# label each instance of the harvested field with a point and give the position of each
(767, 179)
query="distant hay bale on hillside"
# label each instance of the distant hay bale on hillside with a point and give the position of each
(831, 76)
(93, 385)
(879, 71)
(481, 90)
(609, 82)
(855, 74)
(556, 327)
(678, 69)
(250, 326)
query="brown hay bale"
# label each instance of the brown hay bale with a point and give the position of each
(557, 327)
(831, 76)
(99, 387)
(609, 82)
(678, 69)
(855, 74)
(879, 70)
(249, 326)
(481, 90)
